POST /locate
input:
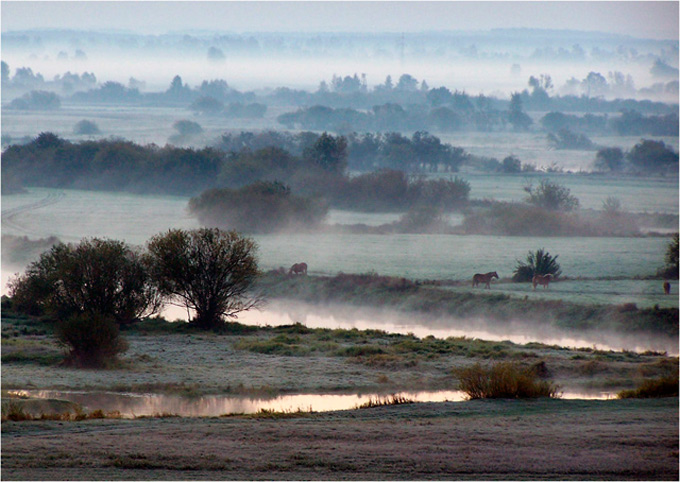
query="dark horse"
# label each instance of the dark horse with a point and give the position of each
(298, 268)
(542, 280)
(484, 278)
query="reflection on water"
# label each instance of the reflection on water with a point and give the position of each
(131, 405)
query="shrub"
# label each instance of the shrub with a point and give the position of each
(86, 127)
(262, 207)
(503, 380)
(654, 388)
(551, 195)
(671, 269)
(91, 340)
(539, 262)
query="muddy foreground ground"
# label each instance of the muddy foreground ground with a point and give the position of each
(489, 440)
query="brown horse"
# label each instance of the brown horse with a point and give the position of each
(667, 287)
(540, 279)
(484, 278)
(298, 268)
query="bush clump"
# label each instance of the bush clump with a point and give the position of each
(540, 262)
(262, 207)
(654, 388)
(504, 380)
(91, 340)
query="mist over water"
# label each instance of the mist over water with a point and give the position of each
(279, 312)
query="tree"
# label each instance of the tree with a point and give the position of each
(518, 119)
(5, 72)
(539, 262)
(205, 270)
(672, 257)
(653, 156)
(553, 196)
(511, 164)
(93, 278)
(594, 84)
(328, 153)
(609, 159)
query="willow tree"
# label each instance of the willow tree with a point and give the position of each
(208, 271)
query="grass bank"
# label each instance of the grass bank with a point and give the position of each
(426, 297)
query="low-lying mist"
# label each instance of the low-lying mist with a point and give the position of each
(284, 312)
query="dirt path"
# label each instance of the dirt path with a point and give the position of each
(548, 439)
(9, 216)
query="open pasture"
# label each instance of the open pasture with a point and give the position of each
(643, 293)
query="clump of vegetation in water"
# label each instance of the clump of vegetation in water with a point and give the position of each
(504, 380)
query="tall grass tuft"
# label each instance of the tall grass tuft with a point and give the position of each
(654, 388)
(381, 402)
(504, 380)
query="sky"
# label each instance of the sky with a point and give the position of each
(645, 19)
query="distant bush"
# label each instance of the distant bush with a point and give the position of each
(518, 219)
(503, 380)
(566, 139)
(654, 388)
(652, 157)
(207, 105)
(187, 128)
(609, 159)
(21, 250)
(93, 340)
(86, 127)
(392, 190)
(262, 207)
(551, 195)
(539, 262)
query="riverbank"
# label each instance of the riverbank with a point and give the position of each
(476, 440)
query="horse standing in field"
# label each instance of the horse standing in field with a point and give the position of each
(484, 278)
(298, 268)
(667, 287)
(543, 280)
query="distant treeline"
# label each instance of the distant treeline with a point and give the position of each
(349, 105)
(317, 166)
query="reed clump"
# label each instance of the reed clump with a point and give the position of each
(381, 402)
(654, 388)
(504, 380)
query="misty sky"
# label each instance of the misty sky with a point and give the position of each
(658, 20)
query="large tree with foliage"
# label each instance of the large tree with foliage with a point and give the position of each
(208, 271)
(93, 277)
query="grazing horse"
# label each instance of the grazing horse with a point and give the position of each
(540, 279)
(298, 268)
(484, 278)
(667, 287)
